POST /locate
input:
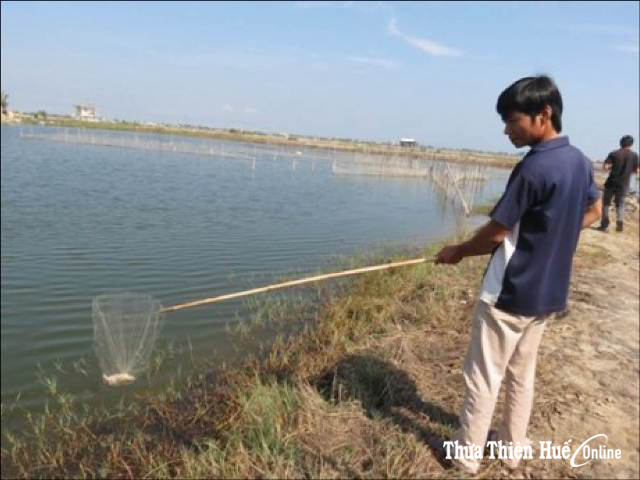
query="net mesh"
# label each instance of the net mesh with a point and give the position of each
(125, 328)
(460, 183)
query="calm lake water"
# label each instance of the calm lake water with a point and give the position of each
(82, 220)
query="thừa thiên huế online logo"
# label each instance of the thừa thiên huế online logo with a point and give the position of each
(582, 455)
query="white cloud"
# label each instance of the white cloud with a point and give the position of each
(320, 65)
(241, 59)
(426, 45)
(628, 48)
(393, 27)
(360, 6)
(323, 4)
(604, 29)
(226, 108)
(376, 62)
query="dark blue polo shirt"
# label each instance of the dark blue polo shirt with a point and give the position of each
(543, 205)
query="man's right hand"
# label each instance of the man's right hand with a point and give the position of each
(451, 254)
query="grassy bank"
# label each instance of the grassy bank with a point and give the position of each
(331, 401)
(428, 153)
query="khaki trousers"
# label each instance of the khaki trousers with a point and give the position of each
(503, 346)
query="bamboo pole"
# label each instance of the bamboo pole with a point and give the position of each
(293, 283)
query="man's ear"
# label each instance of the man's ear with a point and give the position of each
(546, 113)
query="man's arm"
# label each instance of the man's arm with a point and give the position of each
(520, 194)
(483, 242)
(593, 213)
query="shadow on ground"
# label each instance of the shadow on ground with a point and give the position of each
(386, 391)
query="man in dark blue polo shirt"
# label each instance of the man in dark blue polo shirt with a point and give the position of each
(532, 237)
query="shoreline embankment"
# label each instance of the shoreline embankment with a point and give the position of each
(292, 141)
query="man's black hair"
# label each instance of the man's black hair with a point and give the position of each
(626, 141)
(530, 95)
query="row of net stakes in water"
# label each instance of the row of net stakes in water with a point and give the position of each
(192, 146)
(463, 183)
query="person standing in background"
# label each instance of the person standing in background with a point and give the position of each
(621, 164)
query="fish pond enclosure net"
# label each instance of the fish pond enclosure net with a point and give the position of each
(461, 183)
(144, 142)
(170, 143)
(125, 328)
(363, 164)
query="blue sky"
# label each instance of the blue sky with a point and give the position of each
(370, 70)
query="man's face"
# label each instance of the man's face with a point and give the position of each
(522, 129)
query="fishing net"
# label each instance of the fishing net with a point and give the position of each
(125, 329)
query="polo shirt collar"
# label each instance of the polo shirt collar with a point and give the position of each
(550, 144)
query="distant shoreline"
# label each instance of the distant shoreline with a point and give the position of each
(427, 153)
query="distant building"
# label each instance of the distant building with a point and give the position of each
(86, 112)
(9, 116)
(408, 142)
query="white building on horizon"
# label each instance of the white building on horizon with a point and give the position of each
(408, 142)
(86, 112)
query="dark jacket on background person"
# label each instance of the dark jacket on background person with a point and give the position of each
(623, 163)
